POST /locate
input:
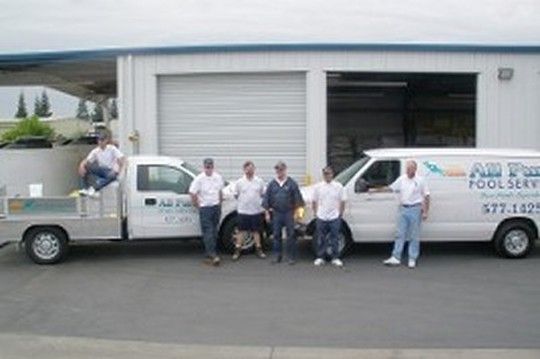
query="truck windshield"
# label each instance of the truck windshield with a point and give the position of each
(345, 176)
(191, 168)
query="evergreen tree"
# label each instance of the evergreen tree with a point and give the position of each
(82, 110)
(114, 108)
(21, 107)
(45, 109)
(97, 114)
(37, 107)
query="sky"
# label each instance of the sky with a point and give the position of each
(34, 25)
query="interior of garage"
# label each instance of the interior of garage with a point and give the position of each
(374, 110)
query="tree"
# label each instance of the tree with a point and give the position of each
(114, 108)
(45, 108)
(82, 110)
(37, 107)
(21, 107)
(30, 126)
(97, 114)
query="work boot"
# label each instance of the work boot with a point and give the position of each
(259, 252)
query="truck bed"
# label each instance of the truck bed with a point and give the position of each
(80, 217)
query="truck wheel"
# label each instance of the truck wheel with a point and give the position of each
(228, 237)
(344, 242)
(514, 240)
(46, 245)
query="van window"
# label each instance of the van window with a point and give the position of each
(379, 174)
(162, 178)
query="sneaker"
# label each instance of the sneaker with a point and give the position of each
(319, 262)
(411, 264)
(236, 254)
(337, 263)
(291, 262)
(92, 193)
(392, 261)
(276, 260)
(216, 261)
(259, 253)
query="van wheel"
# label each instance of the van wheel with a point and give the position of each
(344, 242)
(514, 240)
(228, 237)
(46, 245)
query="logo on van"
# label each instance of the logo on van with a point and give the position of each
(448, 171)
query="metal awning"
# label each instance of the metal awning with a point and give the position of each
(92, 79)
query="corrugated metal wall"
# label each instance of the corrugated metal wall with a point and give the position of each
(508, 112)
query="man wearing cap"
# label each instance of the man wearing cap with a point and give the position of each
(329, 198)
(414, 207)
(282, 198)
(206, 195)
(249, 191)
(103, 163)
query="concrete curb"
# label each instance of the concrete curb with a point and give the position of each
(45, 347)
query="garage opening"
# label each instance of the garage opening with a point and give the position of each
(372, 110)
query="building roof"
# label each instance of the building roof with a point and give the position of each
(92, 73)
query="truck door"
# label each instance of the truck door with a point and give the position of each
(372, 215)
(161, 205)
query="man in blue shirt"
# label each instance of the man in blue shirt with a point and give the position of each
(282, 198)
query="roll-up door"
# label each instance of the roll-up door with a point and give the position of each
(233, 118)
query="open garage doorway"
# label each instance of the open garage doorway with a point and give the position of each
(372, 110)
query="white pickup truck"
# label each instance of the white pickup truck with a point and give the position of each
(151, 201)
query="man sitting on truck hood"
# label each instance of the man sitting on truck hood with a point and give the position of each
(104, 163)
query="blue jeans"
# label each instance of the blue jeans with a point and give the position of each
(280, 220)
(101, 176)
(408, 229)
(328, 237)
(209, 218)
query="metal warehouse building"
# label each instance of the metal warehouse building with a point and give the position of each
(307, 104)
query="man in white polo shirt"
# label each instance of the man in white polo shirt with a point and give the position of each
(249, 192)
(414, 207)
(206, 195)
(328, 204)
(103, 163)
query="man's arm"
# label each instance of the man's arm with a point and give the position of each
(193, 190)
(425, 207)
(82, 168)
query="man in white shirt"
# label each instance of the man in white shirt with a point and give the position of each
(328, 204)
(249, 192)
(414, 207)
(206, 195)
(103, 163)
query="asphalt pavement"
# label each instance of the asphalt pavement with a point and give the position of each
(459, 296)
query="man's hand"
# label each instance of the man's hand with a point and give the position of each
(424, 215)
(267, 216)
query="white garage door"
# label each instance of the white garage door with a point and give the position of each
(233, 118)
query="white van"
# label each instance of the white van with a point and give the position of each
(476, 195)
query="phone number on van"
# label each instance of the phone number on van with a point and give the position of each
(511, 208)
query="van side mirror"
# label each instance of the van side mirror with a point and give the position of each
(361, 186)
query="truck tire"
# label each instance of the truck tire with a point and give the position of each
(514, 239)
(228, 237)
(344, 242)
(46, 245)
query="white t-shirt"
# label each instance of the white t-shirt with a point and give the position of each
(329, 197)
(207, 188)
(411, 190)
(107, 157)
(249, 194)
